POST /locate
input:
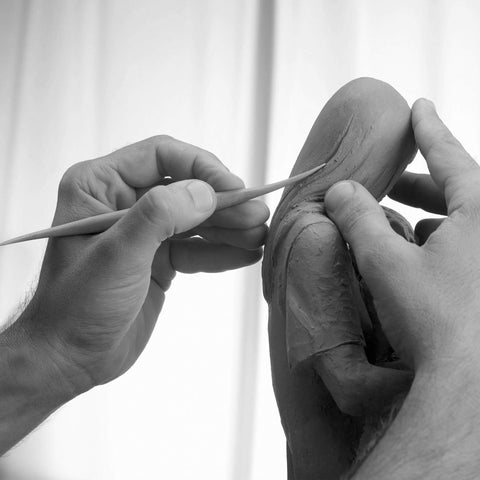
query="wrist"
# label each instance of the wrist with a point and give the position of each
(31, 385)
(34, 356)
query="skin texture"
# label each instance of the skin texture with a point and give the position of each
(427, 301)
(99, 296)
(326, 388)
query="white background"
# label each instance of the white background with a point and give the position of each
(244, 79)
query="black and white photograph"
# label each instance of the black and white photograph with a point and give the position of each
(239, 239)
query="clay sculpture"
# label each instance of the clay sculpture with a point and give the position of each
(333, 369)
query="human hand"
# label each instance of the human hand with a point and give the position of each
(99, 296)
(426, 296)
(332, 406)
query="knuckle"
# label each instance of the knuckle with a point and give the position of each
(464, 185)
(469, 212)
(443, 143)
(256, 213)
(211, 156)
(264, 213)
(159, 143)
(160, 139)
(157, 208)
(156, 202)
(261, 237)
(253, 238)
(218, 165)
(420, 124)
(214, 172)
(70, 178)
(446, 138)
(354, 216)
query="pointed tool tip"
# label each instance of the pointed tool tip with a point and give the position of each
(11, 241)
(308, 173)
(316, 169)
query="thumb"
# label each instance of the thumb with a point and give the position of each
(363, 225)
(165, 211)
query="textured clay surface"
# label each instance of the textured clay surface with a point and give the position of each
(322, 322)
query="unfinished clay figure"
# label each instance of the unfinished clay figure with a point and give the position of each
(330, 360)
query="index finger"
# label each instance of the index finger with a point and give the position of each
(452, 168)
(149, 161)
(420, 191)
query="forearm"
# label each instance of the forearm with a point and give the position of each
(31, 385)
(436, 434)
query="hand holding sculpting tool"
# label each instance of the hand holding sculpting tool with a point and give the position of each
(100, 223)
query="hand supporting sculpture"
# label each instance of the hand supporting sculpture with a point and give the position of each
(428, 303)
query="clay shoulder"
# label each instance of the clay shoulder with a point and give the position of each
(293, 235)
(314, 233)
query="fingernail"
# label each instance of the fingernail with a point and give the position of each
(338, 193)
(202, 195)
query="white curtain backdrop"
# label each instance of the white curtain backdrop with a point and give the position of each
(244, 79)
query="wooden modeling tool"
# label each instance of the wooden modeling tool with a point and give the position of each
(100, 223)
